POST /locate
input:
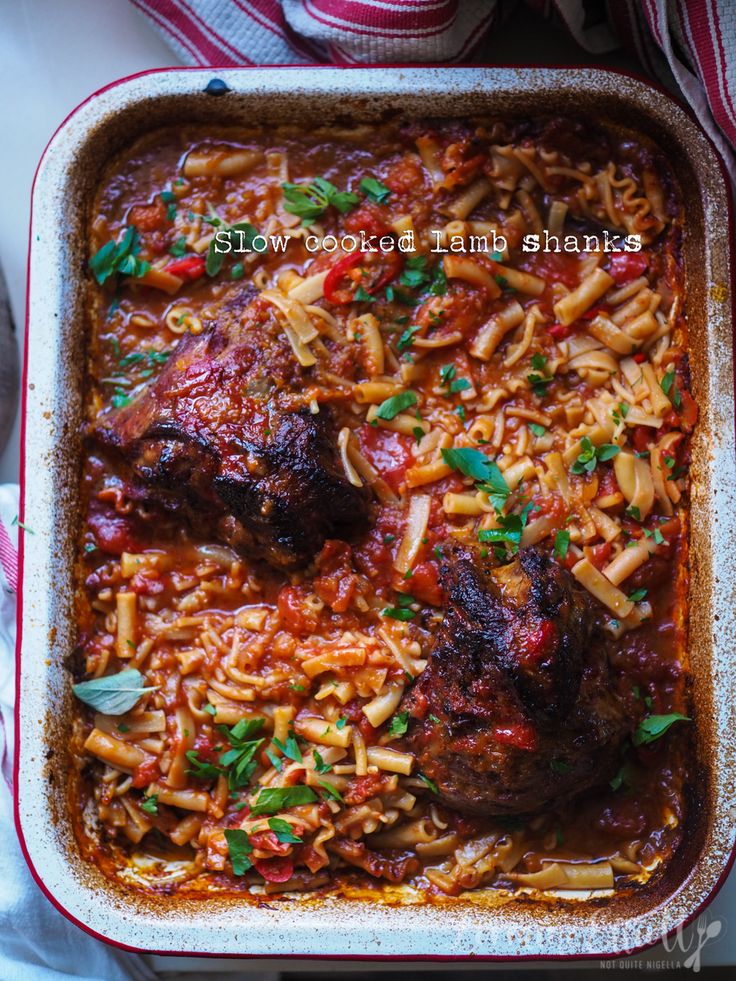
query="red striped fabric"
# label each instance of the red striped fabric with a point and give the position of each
(689, 42)
(8, 559)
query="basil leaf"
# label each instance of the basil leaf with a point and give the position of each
(391, 407)
(562, 543)
(654, 726)
(274, 799)
(114, 694)
(331, 791)
(374, 190)
(477, 465)
(239, 849)
(399, 724)
(284, 831)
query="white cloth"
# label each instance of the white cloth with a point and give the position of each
(36, 942)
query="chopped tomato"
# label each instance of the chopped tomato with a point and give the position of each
(641, 438)
(369, 218)
(389, 453)
(298, 617)
(274, 869)
(115, 533)
(146, 773)
(599, 555)
(558, 332)
(189, 267)
(625, 266)
(366, 270)
(640, 357)
(521, 735)
(425, 583)
(148, 217)
(266, 841)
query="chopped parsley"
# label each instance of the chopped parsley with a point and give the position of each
(637, 595)
(284, 831)
(562, 544)
(290, 748)
(538, 381)
(319, 764)
(330, 790)
(150, 804)
(246, 233)
(509, 530)
(179, 247)
(399, 724)
(403, 610)
(429, 784)
(537, 430)
(475, 464)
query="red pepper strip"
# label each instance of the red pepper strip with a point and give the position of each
(188, 267)
(336, 275)
(335, 293)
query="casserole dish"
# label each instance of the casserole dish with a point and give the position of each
(479, 926)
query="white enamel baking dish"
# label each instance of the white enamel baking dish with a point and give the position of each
(485, 926)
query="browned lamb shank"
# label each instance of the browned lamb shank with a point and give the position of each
(516, 708)
(225, 437)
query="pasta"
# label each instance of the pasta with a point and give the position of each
(263, 747)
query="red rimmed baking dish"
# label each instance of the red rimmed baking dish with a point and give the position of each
(483, 925)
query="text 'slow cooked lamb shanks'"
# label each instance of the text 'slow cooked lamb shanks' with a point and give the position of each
(383, 567)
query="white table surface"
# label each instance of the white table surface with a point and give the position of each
(53, 54)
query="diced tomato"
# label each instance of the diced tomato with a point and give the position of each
(274, 869)
(625, 266)
(389, 453)
(425, 583)
(521, 735)
(148, 217)
(599, 555)
(368, 218)
(558, 332)
(640, 357)
(298, 617)
(189, 267)
(641, 437)
(366, 270)
(146, 773)
(267, 841)
(114, 533)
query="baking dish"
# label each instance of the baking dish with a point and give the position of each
(488, 925)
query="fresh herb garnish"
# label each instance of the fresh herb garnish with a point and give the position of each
(374, 190)
(113, 694)
(319, 764)
(310, 201)
(539, 382)
(239, 849)
(239, 760)
(537, 430)
(392, 406)
(562, 544)
(475, 464)
(284, 831)
(637, 595)
(271, 800)
(201, 769)
(241, 234)
(330, 790)
(590, 456)
(399, 724)
(509, 531)
(290, 748)
(654, 726)
(119, 258)
(150, 804)
(179, 247)
(429, 784)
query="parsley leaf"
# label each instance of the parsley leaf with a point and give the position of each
(319, 764)
(654, 726)
(271, 800)
(310, 201)
(590, 455)
(537, 430)
(119, 258)
(562, 543)
(475, 464)
(150, 804)
(391, 407)
(430, 784)
(284, 831)
(374, 190)
(510, 528)
(239, 849)
(243, 242)
(399, 724)
(331, 791)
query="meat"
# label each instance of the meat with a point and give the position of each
(516, 709)
(225, 437)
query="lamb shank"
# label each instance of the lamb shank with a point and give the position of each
(516, 708)
(225, 436)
